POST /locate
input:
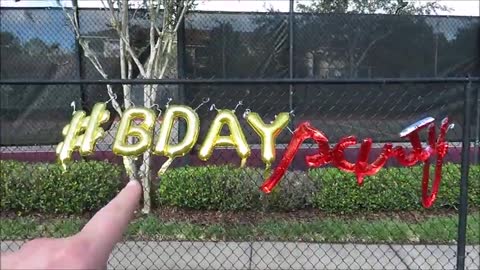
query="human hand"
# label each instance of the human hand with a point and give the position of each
(88, 249)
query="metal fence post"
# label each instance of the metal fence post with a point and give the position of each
(476, 152)
(79, 50)
(181, 75)
(463, 200)
(290, 56)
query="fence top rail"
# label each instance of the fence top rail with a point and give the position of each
(228, 12)
(377, 81)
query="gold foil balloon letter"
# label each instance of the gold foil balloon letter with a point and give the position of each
(163, 147)
(71, 142)
(236, 137)
(268, 133)
(174, 112)
(82, 133)
(142, 132)
(93, 131)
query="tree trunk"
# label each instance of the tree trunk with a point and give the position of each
(162, 64)
(125, 73)
(146, 178)
(146, 167)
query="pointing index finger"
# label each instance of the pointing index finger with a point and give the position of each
(107, 226)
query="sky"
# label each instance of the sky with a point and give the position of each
(459, 7)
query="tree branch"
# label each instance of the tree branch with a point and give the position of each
(93, 58)
(179, 21)
(152, 39)
(167, 58)
(123, 32)
(112, 11)
(132, 54)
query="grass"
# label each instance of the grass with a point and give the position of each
(440, 230)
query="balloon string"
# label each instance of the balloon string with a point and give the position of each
(73, 106)
(240, 103)
(204, 101)
(165, 166)
(268, 170)
(128, 164)
(64, 167)
(243, 162)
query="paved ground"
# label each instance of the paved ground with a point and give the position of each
(279, 255)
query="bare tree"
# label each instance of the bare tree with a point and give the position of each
(164, 17)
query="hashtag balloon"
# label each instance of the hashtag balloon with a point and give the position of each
(93, 131)
(82, 133)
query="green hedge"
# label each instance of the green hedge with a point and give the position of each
(211, 188)
(231, 188)
(44, 188)
(87, 186)
(328, 189)
(391, 189)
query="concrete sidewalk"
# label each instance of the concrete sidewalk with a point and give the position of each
(279, 255)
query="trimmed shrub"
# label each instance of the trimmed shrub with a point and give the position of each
(391, 189)
(295, 191)
(474, 186)
(230, 188)
(210, 188)
(88, 186)
(44, 188)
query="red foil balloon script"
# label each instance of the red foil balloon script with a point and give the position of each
(362, 168)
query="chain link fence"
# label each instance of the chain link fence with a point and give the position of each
(212, 215)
